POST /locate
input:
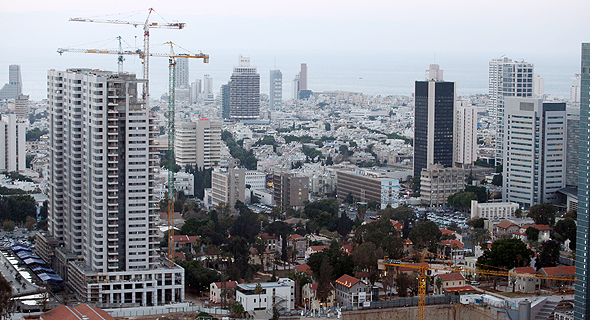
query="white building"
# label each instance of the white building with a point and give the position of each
(102, 236)
(534, 151)
(493, 210)
(280, 294)
(184, 182)
(508, 78)
(465, 138)
(208, 96)
(185, 144)
(538, 85)
(198, 144)
(195, 92)
(276, 90)
(575, 90)
(13, 152)
(182, 72)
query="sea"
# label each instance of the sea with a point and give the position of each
(374, 73)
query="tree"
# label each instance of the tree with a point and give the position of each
(549, 256)
(6, 303)
(198, 277)
(237, 309)
(480, 236)
(349, 199)
(497, 180)
(258, 290)
(543, 213)
(461, 200)
(403, 282)
(8, 226)
(341, 262)
(246, 225)
(506, 254)
(30, 223)
(327, 126)
(566, 229)
(365, 258)
(476, 223)
(480, 192)
(532, 234)
(426, 234)
(344, 225)
(324, 275)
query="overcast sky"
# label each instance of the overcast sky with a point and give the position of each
(31, 30)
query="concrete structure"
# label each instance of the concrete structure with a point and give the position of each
(244, 91)
(573, 145)
(102, 203)
(303, 77)
(280, 294)
(208, 96)
(182, 72)
(185, 144)
(351, 292)
(14, 87)
(544, 231)
(504, 228)
(465, 138)
(449, 280)
(508, 78)
(299, 244)
(198, 144)
(218, 289)
(582, 295)
(290, 190)
(434, 121)
(437, 183)
(534, 151)
(21, 107)
(276, 90)
(368, 185)
(13, 153)
(228, 186)
(493, 210)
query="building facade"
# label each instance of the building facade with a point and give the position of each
(573, 144)
(208, 96)
(244, 91)
(507, 78)
(437, 183)
(493, 210)
(465, 138)
(279, 295)
(534, 151)
(366, 186)
(182, 72)
(290, 190)
(13, 151)
(351, 292)
(14, 87)
(582, 295)
(276, 90)
(225, 98)
(102, 204)
(198, 144)
(185, 144)
(434, 120)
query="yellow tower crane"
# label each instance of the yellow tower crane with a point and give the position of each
(424, 267)
(146, 38)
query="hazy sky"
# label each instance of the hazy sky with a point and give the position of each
(31, 30)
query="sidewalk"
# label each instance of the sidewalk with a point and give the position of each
(24, 287)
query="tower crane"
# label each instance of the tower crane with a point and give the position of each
(423, 269)
(146, 38)
(119, 52)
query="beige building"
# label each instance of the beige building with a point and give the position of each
(198, 144)
(228, 186)
(290, 190)
(437, 183)
(493, 210)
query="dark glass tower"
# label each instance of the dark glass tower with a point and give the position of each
(433, 121)
(581, 303)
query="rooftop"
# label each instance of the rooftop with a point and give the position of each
(80, 312)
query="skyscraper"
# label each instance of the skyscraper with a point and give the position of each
(244, 91)
(225, 98)
(182, 72)
(465, 134)
(434, 120)
(508, 78)
(303, 77)
(14, 87)
(101, 235)
(582, 296)
(195, 91)
(13, 152)
(276, 90)
(208, 96)
(534, 151)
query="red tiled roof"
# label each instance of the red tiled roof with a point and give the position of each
(459, 289)
(229, 284)
(529, 270)
(559, 271)
(505, 224)
(303, 268)
(179, 255)
(445, 231)
(182, 239)
(267, 236)
(452, 242)
(451, 276)
(81, 311)
(397, 225)
(319, 248)
(347, 281)
(295, 237)
(347, 248)
(540, 227)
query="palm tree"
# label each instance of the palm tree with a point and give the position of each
(258, 291)
(439, 283)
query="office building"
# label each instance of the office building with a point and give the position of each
(465, 134)
(101, 235)
(228, 185)
(13, 152)
(276, 90)
(14, 87)
(225, 98)
(573, 145)
(582, 295)
(368, 186)
(534, 151)
(303, 77)
(244, 91)
(295, 87)
(507, 78)
(208, 96)
(437, 183)
(198, 144)
(290, 190)
(434, 120)
(21, 107)
(182, 72)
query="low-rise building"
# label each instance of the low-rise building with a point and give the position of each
(299, 245)
(448, 280)
(351, 291)
(309, 292)
(493, 210)
(280, 294)
(562, 271)
(524, 284)
(220, 290)
(544, 231)
(505, 228)
(314, 249)
(437, 183)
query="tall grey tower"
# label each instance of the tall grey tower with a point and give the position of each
(182, 72)
(582, 296)
(244, 91)
(276, 89)
(14, 87)
(102, 203)
(434, 120)
(507, 78)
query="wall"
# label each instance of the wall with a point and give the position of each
(439, 312)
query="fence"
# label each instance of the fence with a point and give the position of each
(145, 311)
